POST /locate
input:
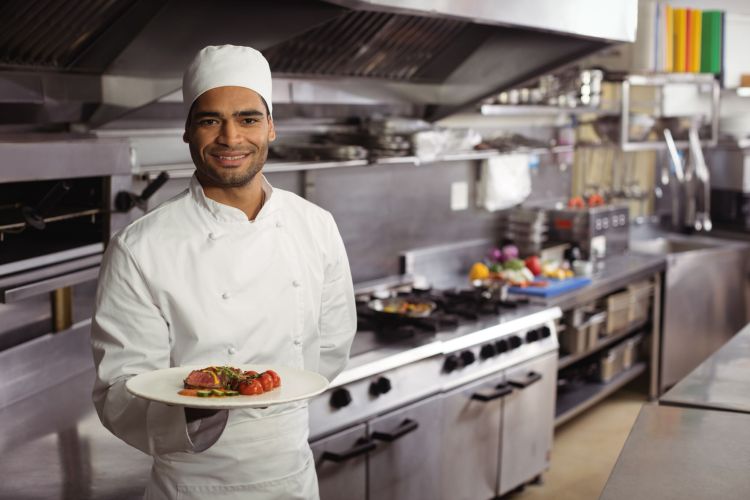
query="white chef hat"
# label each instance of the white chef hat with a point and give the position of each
(225, 66)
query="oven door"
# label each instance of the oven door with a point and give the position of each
(406, 463)
(470, 439)
(528, 422)
(341, 464)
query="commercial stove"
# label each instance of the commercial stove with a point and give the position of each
(459, 404)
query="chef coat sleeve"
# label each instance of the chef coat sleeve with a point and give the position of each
(338, 317)
(129, 335)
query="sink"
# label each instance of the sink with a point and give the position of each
(675, 244)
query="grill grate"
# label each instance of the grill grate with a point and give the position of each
(53, 33)
(366, 44)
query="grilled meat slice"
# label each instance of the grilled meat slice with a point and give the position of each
(203, 379)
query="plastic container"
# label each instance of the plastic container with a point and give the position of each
(640, 301)
(618, 312)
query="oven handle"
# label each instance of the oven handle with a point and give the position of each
(501, 390)
(24, 291)
(527, 380)
(403, 429)
(362, 446)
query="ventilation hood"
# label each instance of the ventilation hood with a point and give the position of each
(85, 63)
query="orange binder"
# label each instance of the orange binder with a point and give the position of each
(680, 35)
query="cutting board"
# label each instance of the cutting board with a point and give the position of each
(554, 287)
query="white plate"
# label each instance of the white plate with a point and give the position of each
(163, 386)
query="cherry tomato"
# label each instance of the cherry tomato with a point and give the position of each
(251, 388)
(266, 381)
(275, 376)
(251, 373)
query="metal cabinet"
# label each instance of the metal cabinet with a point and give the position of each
(528, 422)
(340, 461)
(470, 439)
(406, 463)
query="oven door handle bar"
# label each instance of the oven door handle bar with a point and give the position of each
(403, 429)
(523, 383)
(501, 390)
(362, 446)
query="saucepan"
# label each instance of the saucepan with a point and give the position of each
(403, 306)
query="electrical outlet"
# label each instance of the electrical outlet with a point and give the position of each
(459, 196)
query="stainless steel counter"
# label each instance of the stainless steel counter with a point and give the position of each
(685, 454)
(721, 382)
(617, 271)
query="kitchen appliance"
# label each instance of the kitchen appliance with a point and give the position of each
(597, 231)
(457, 404)
(56, 216)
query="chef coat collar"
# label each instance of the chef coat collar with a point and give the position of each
(225, 213)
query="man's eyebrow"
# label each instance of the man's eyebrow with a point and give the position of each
(249, 112)
(206, 114)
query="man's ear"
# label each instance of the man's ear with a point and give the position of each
(271, 130)
(185, 137)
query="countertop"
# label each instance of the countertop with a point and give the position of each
(722, 382)
(683, 454)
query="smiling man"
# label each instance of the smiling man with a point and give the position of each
(232, 271)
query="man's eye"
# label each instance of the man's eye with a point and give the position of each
(207, 122)
(249, 121)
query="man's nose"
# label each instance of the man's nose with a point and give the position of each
(229, 133)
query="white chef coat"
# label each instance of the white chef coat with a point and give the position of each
(194, 282)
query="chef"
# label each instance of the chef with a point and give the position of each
(229, 272)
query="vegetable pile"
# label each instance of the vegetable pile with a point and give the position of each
(220, 381)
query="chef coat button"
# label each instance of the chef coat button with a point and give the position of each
(225, 295)
(279, 224)
(297, 342)
(296, 284)
(232, 350)
(212, 236)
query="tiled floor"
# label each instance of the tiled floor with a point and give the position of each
(586, 449)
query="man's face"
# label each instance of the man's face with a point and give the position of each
(228, 131)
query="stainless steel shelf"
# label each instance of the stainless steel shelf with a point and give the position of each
(603, 342)
(185, 170)
(571, 404)
(536, 110)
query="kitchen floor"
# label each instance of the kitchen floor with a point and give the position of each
(586, 449)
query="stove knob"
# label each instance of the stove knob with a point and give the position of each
(467, 357)
(532, 336)
(501, 346)
(451, 363)
(487, 351)
(340, 398)
(380, 386)
(545, 332)
(515, 341)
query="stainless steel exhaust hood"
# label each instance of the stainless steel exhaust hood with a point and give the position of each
(91, 61)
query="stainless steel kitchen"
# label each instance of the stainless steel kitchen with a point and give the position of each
(496, 249)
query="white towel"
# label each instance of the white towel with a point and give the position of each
(504, 182)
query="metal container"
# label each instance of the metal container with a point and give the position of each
(618, 312)
(598, 231)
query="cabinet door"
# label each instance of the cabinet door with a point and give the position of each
(406, 463)
(340, 461)
(470, 440)
(528, 422)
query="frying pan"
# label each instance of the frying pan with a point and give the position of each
(385, 306)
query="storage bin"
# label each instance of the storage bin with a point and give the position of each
(618, 311)
(640, 301)
(630, 352)
(595, 327)
(610, 365)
